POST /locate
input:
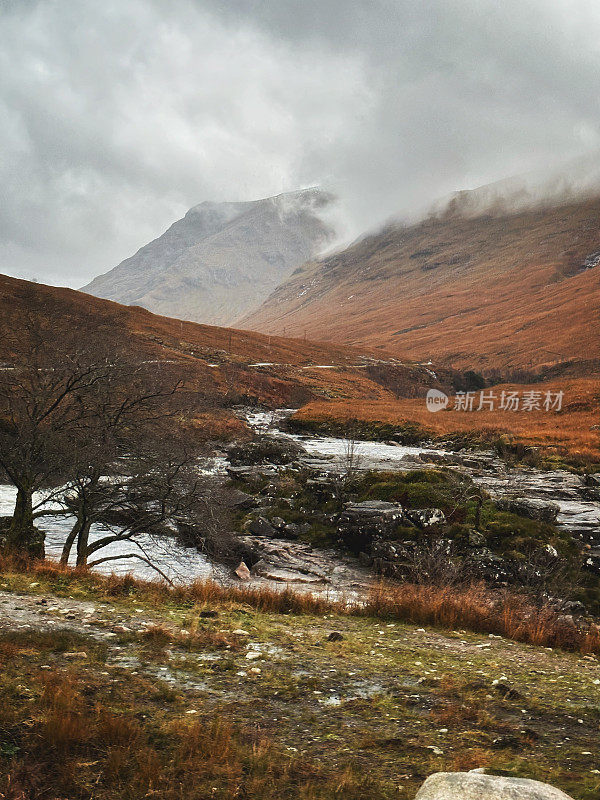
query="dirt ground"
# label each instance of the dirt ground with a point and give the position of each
(391, 699)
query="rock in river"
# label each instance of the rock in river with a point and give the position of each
(242, 572)
(532, 508)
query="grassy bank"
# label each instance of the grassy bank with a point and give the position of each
(570, 438)
(141, 691)
(473, 608)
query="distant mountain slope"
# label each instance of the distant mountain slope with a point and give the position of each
(495, 290)
(222, 259)
(233, 367)
(335, 385)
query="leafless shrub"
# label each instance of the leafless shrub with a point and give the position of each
(351, 457)
(436, 563)
(542, 575)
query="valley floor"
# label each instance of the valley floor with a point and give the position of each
(115, 689)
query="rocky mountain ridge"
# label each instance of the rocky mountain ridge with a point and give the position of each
(221, 260)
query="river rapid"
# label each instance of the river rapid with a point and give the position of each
(328, 571)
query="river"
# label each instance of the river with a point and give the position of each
(327, 571)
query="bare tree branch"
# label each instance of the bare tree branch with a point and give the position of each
(131, 555)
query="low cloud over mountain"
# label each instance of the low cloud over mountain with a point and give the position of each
(222, 259)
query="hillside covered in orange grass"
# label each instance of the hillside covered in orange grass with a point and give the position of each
(499, 290)
(324, 381)
(231, 366)
(573, 433)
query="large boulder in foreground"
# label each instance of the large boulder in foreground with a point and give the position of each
(477, 786)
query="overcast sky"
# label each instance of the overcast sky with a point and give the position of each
(116, 116)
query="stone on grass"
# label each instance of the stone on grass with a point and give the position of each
(478, 786)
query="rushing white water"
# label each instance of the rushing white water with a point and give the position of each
(326, 573)
(578, 515)
(179, 564)
(369, 454)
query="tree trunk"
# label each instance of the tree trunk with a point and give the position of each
(23, 537)
(82, 542)
(23, 513)
(70, 540)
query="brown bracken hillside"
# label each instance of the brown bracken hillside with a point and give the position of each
(335, 384)
(231, 367)
(500, 290)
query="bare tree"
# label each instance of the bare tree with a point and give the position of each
(42, 406)
(79, 416)
(150, 489)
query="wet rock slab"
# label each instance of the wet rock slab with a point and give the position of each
(281, 562)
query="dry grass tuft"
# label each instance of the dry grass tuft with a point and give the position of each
(474, 608)
(474, 758)
(73, 748)
(481, 610)
(158, 636)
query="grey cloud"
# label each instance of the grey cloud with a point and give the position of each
(116, 117)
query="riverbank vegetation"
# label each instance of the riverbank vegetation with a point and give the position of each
(476, 608)
(470, 538)
(547, 440)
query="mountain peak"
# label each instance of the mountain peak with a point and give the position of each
(222, 259)
(481, 284)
